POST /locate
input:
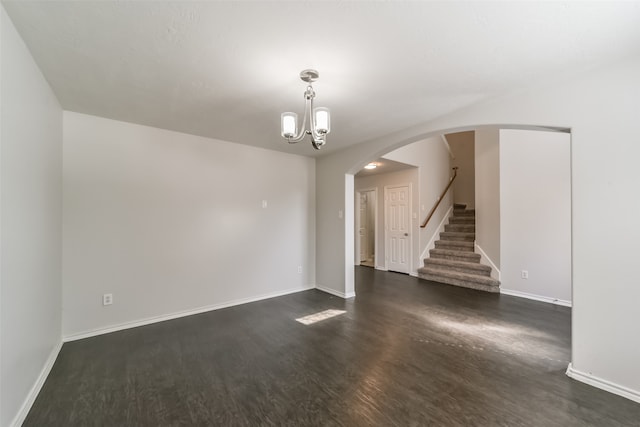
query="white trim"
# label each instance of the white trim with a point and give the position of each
(484, 259)
(446, 144)
(432, 242)
(414, 274)
(37, 386)
(179, 314)
(602, 384)
(535, 297)
(336, 293)
(381, 268)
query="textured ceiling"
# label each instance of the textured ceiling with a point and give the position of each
(228, 69)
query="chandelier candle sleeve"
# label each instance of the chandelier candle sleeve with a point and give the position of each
(323, 121)
(289, 125)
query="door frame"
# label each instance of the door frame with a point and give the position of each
(410, 222)
(356, 235)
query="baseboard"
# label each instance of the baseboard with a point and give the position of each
(484, 259)
(436, 235)
(37, 386)
(605, 385)
(381, 268)
(336, 293)
(535, 297)
(177, 315)
(414, 274)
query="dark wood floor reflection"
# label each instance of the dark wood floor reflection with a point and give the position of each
(406, 353)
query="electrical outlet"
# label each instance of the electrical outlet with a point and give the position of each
(107, 299)
(525, 274)
(300, 269)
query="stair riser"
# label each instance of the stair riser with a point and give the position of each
(454, 275)
(457, 237)
(471, 258)
(460, 283)
(460, 228)
(455, 246)
(480, 270)
(463, 213)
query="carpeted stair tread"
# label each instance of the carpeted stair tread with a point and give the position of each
(455, 278)
(459, 266)
(460, 228)
(464, 212)
(462, 220)
(458, 236)
(459, 206)
(453, 261)
(454, 245)
(467, 256)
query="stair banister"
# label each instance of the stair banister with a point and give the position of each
(433, 209)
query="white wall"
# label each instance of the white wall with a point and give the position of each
(487, 191)
(535, 213)
(31, 163)
(600, 107)
(432, 158)
(379, 181)
(170, 222)
(462, 146)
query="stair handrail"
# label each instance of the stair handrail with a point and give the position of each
(433, 209)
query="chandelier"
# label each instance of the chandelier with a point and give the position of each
(319, 121)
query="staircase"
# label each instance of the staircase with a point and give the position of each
(453, 261)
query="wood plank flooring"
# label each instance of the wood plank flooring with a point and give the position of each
(406, 353)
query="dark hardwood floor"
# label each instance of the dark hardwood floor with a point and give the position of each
(406, 353)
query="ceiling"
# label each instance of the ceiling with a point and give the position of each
(227, 70)
(383, 166)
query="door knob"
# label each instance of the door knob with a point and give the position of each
(406, 234)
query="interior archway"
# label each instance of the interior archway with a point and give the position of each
(375, 154)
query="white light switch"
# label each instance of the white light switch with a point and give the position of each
(264, 204)
(340, 214)
(415, 215)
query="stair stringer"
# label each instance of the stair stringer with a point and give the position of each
(484, 259)
(436, 234)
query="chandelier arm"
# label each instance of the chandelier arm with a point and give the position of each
(302, 130)
(312, 119)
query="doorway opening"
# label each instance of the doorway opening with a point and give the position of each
(383, 226)
(366, 224)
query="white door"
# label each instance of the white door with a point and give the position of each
(397, 227)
